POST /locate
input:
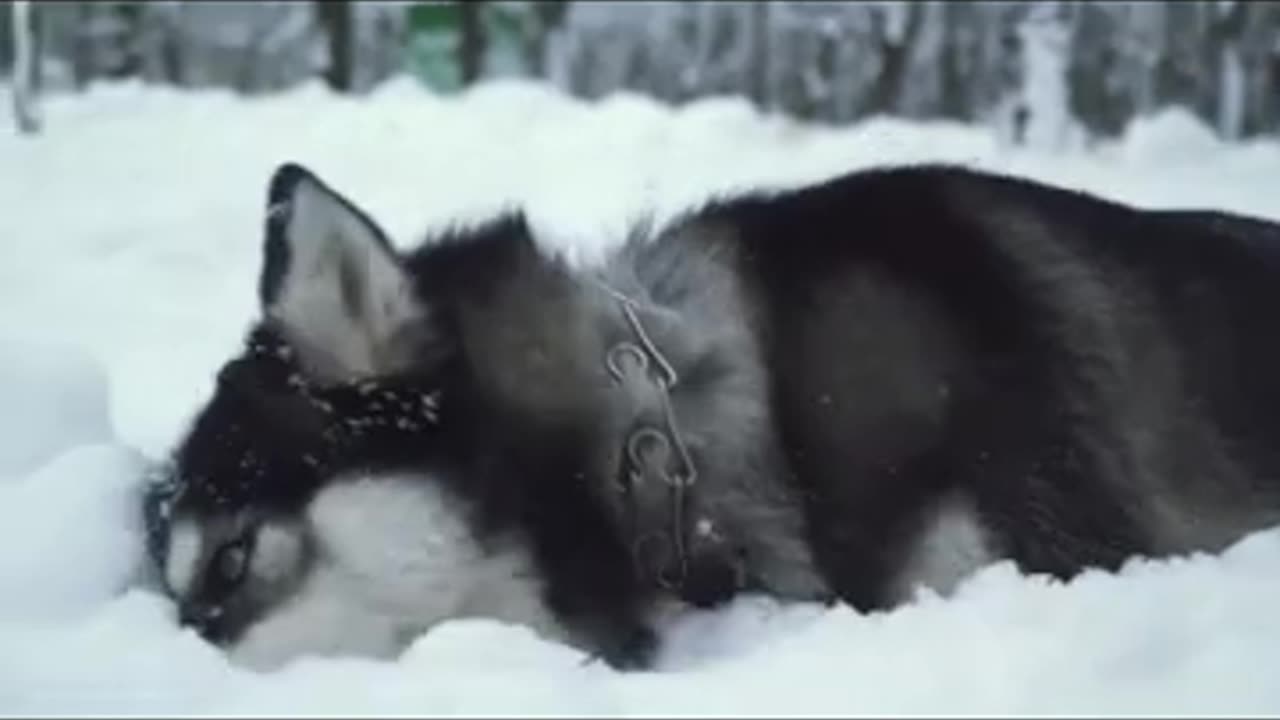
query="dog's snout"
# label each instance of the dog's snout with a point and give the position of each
(204, 618)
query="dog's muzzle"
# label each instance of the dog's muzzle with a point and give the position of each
(207, 619)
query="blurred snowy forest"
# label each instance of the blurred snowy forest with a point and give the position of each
(1042, 69)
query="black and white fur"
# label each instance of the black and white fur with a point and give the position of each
(888, 380)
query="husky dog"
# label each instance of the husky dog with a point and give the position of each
(835, 392)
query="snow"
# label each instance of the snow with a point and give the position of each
(55, 397)
(130, 237)
(1172, 135)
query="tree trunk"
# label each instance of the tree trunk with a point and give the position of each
(336, 18)
(1222, 41)
(895, 54)
(548, 18)
(24, 68)
(471, 46)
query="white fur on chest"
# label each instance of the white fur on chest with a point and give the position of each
(952, 546)
(394, 557)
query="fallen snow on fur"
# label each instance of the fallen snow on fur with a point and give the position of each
(129, 242)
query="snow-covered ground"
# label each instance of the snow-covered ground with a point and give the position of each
(129, 239)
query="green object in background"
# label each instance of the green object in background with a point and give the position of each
(434, 36)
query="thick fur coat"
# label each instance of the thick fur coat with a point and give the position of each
(883, 380)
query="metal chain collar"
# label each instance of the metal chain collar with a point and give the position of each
(650, 451)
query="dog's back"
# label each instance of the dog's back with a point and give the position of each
(1089, 381)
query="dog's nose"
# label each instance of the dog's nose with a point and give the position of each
(204, 618)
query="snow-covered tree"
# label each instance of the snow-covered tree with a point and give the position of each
(1097, 64)
(1044, 114)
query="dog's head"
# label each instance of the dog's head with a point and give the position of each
(342, 377)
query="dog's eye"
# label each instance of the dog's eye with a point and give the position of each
(232, 561)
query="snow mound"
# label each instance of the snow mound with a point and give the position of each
(72, 533)
(1172, 135)
(131, 237)
(55, 396)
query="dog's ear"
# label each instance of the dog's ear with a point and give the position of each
(333, 285)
